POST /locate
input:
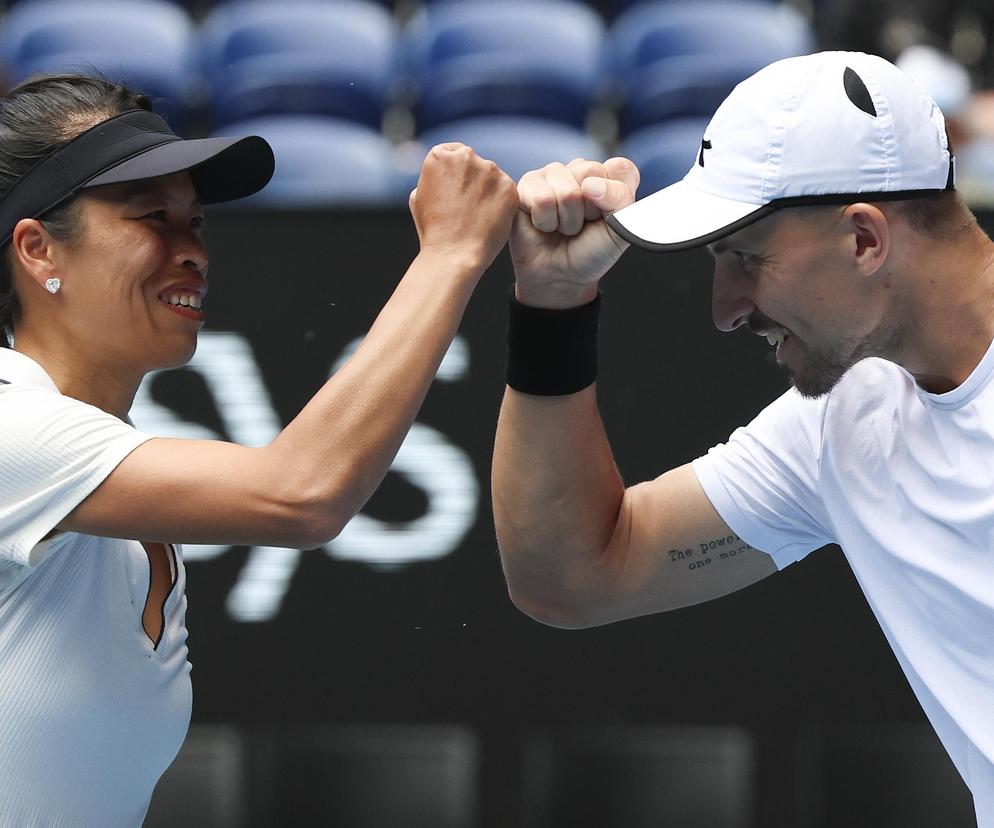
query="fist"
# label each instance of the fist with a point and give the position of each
(463, 204)
(560, 244)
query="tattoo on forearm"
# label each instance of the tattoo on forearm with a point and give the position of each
(720, 549)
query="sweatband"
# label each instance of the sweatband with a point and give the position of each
(550, 352)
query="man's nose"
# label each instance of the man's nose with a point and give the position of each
(731, 302)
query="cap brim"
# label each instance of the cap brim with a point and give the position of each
(680, 217)
(223, 169)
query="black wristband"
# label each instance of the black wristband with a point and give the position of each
(552, 352)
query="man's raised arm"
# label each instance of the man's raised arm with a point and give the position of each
(577, 547)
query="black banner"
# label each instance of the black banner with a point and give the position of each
(405, 616)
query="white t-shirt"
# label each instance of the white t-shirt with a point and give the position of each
(91, 713)
(903, 481)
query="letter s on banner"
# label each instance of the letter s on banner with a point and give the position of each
(443, 471)
(426, 459)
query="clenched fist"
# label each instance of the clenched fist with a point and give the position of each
(560, 244)
(463, 205)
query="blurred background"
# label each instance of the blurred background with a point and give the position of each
(386, 680)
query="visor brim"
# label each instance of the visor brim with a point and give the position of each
(223, 169)
(681, 217)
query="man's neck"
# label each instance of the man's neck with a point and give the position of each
(949, 313)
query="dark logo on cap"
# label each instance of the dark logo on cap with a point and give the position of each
(858, 93)
(705, 144)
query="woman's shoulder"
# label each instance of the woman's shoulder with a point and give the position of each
(20, 370)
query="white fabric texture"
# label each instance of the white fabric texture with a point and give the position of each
(91, 713)
(903, 481)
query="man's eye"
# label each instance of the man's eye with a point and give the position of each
(158, 215)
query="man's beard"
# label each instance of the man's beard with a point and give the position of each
(822, 368)
(820, 373)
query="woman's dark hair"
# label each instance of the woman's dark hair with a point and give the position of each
(36, 118)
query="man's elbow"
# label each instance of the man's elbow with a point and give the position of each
(556, 610)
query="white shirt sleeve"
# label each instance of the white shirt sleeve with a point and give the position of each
(764, 480)
(54, 451)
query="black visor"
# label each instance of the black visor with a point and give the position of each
(135, 145)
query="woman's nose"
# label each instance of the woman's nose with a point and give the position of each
(192, 253)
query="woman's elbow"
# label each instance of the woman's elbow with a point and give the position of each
(303, 523)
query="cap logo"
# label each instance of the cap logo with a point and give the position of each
(705, 144)
(858, 93)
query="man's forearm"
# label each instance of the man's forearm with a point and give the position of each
(556, 494)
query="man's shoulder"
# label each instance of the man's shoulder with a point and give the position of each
(872, 381)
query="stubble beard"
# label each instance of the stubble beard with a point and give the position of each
(823, 368)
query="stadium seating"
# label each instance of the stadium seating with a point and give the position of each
(523, 57)
(206, 784)
(664, 152)
(619, 6)
(517, 144)
(887, 774)
(144, 43)
(594, 777)
(298, 56)
(323, 161)
(368, 776)
(678, 58)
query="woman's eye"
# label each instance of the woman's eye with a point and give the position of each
(158, 215)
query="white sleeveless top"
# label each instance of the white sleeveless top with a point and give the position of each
(91, 712)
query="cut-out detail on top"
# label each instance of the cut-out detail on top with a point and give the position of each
(162, 569)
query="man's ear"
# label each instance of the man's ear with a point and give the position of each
(870, 233)
(33, 250)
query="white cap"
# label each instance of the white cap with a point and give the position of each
(833, 127)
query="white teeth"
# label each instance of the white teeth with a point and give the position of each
(776, 338)
(190, 300)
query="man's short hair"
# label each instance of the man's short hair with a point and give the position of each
(941, 217)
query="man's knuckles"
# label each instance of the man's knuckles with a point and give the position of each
(582, 168)
(623, 169)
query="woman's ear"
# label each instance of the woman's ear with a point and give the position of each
(33, 250)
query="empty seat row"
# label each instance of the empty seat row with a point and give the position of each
(462, 58)
(409, 776)
(324, 162)
(606, 7)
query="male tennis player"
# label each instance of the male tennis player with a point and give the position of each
(824, 188)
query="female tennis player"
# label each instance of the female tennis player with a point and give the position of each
(103, 272)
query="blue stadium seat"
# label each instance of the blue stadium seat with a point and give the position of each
(540, 58)
(299, 56)
(143, 43)
(323, 161)
(517, 144)
(620, 6)
(664, 152)
(676, 58)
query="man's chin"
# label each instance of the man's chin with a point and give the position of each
(812, 385)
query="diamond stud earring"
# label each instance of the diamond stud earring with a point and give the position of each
(53, 285)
